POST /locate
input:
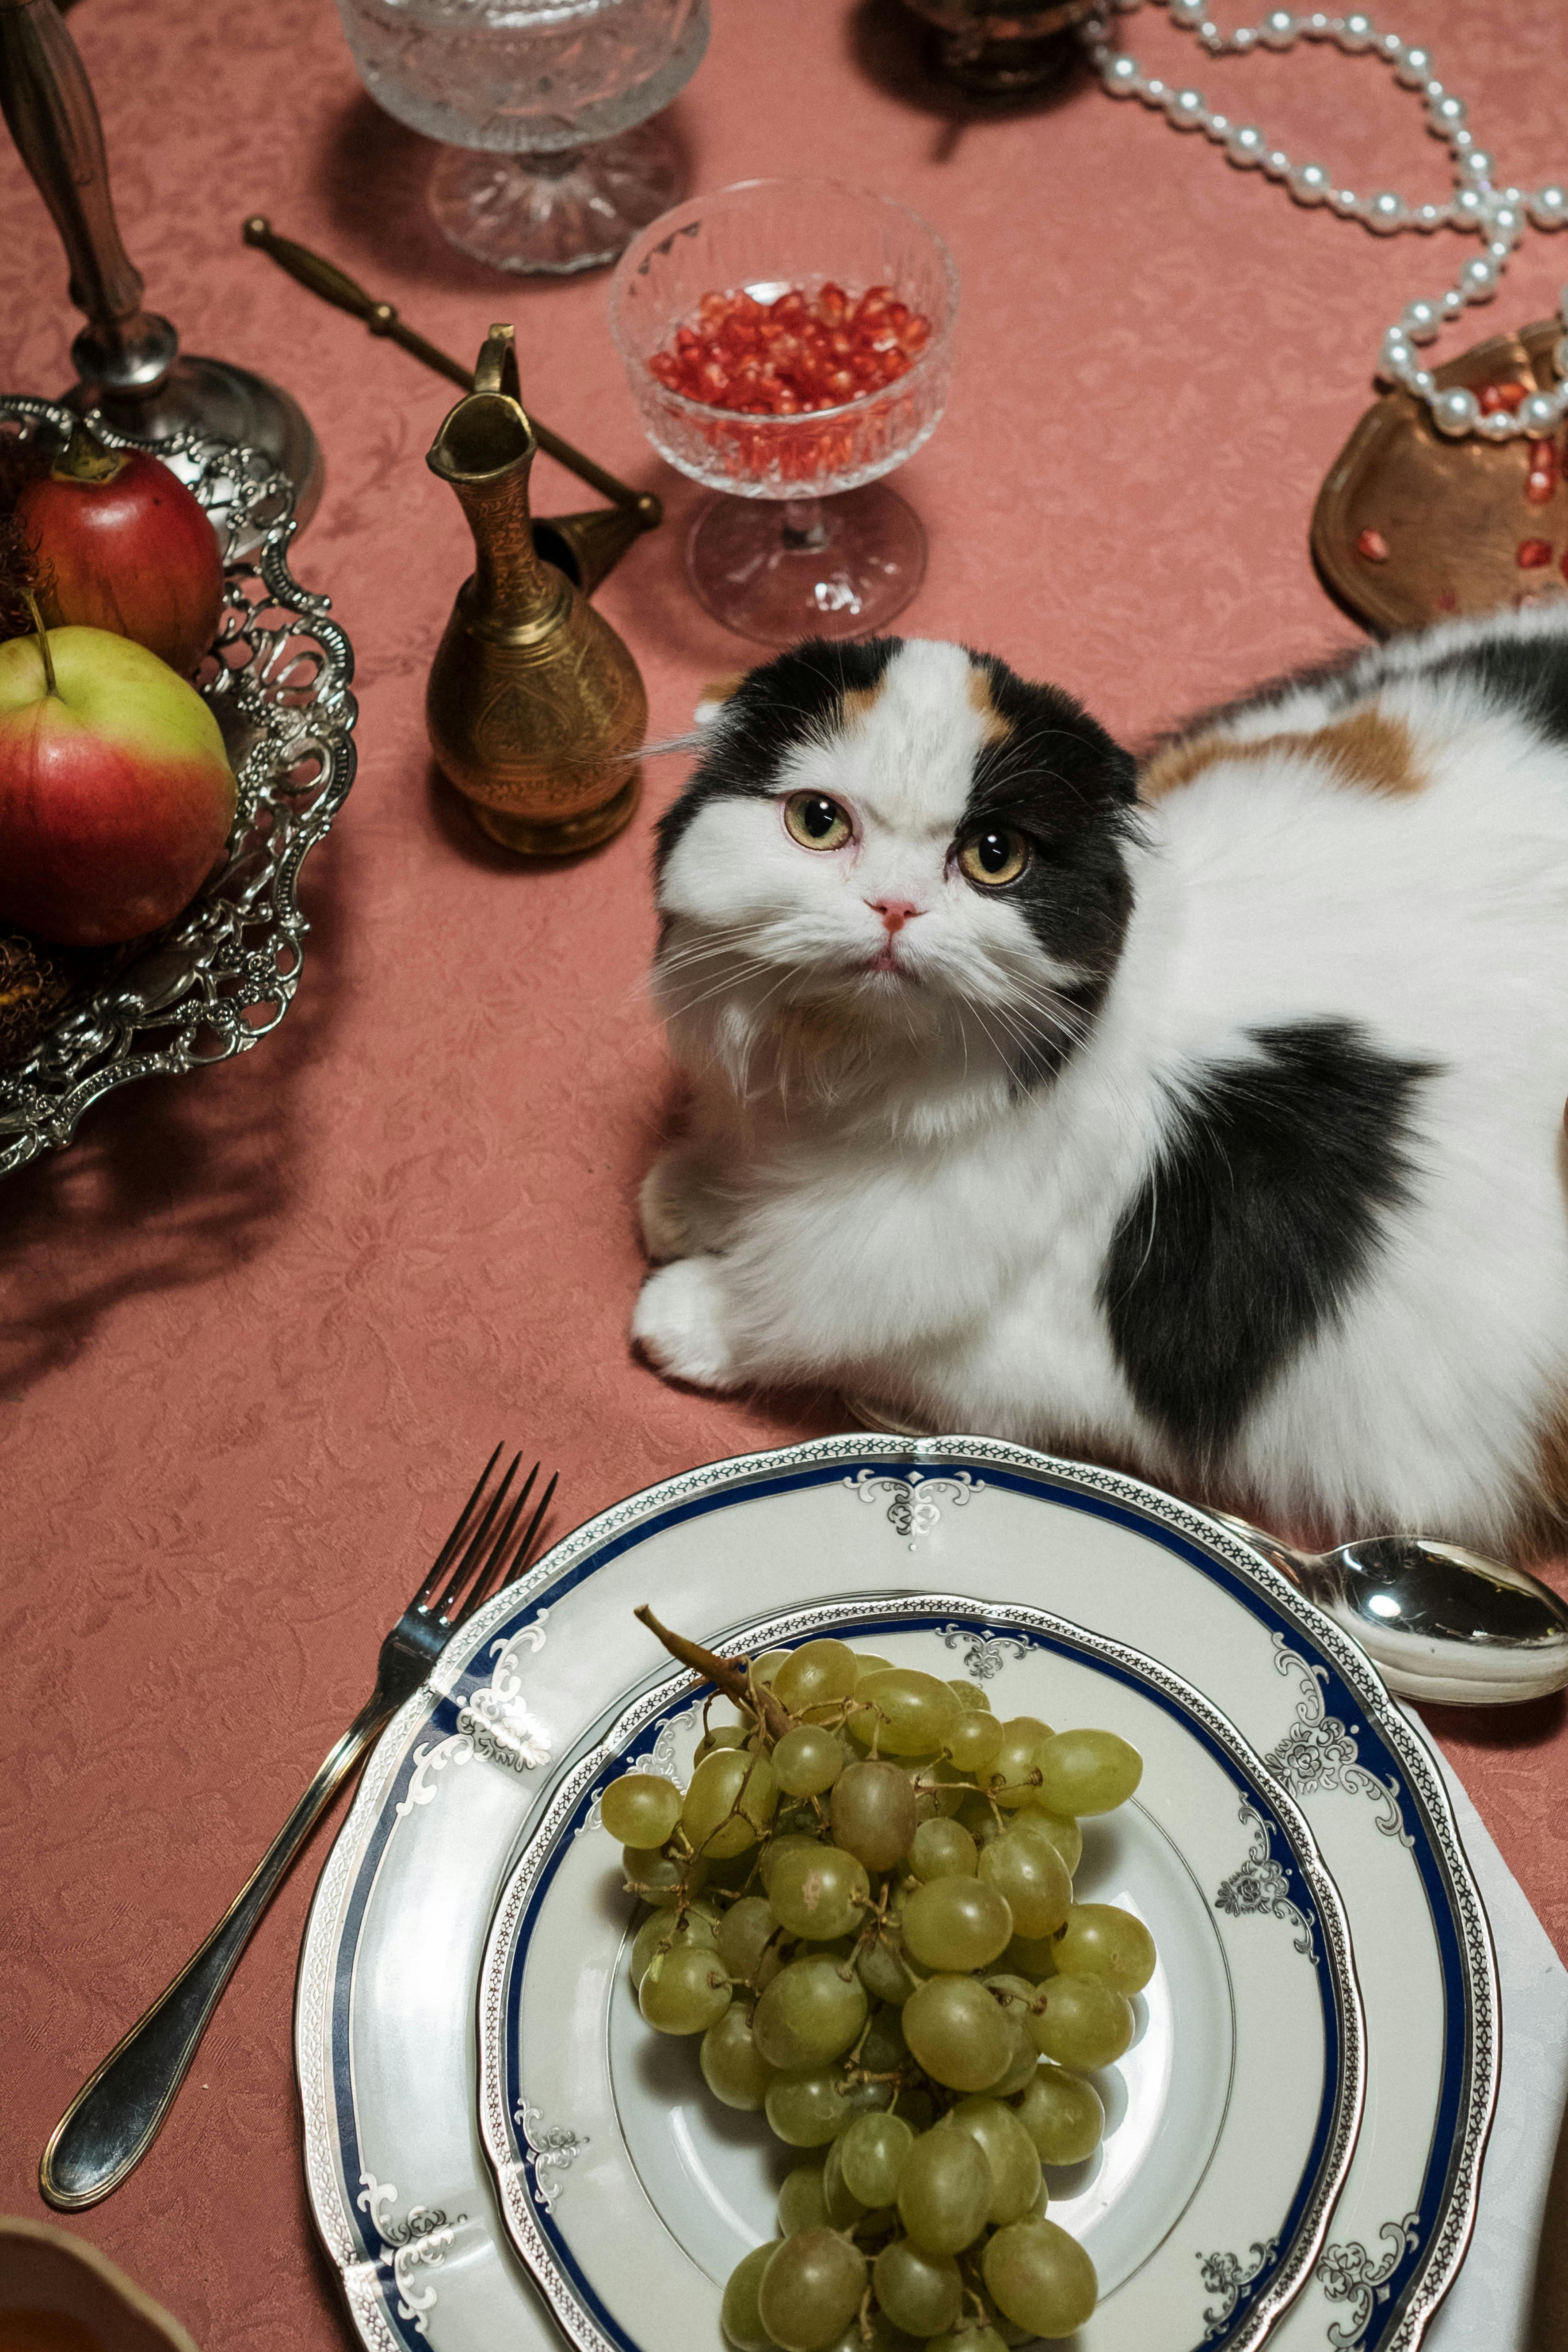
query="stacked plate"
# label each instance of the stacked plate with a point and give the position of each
(499, 2153)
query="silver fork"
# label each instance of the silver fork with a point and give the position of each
(116, 2114)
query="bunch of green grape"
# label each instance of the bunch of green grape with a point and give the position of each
(862, 1903)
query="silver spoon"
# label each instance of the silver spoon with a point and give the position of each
(1441, 1623)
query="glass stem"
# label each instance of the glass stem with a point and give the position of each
(550, 163)
(804, 524)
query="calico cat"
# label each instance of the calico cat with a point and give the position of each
(1205, 1118)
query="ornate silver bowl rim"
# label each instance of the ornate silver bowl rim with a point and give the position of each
(221, 976)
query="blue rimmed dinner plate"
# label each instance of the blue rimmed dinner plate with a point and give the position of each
(386, 2035)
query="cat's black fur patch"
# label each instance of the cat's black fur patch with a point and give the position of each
(774, 709)
(1529, 674)
(1061, 780)
(1261, 1215)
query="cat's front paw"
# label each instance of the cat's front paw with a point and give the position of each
(677, 1323)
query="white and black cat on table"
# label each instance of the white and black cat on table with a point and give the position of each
(1205, 1118)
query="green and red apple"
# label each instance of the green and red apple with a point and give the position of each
(116, 793)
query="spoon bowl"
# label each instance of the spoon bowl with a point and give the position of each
(1442, 1625)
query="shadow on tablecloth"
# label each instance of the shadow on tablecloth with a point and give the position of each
(172, 1182)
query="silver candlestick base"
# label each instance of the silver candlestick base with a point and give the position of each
(128, 360)
(218, 399)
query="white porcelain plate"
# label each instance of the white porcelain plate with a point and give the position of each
(631, 2193)
(385, 2027)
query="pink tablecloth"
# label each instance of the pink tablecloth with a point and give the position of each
(260, 1328)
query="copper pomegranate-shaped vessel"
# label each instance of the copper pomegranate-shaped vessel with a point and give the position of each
(535, 707)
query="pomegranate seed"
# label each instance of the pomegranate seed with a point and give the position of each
(1448, 602)
(1533, 553)
(1542, 479)
(795, 356)
(1373, 545)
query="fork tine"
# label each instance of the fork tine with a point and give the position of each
(489, 1578)
(434, 1573)
(520, 1557)
(464, 1569)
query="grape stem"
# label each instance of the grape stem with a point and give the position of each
(734, 1679)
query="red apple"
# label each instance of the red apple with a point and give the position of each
(116, 794)
(123, 545)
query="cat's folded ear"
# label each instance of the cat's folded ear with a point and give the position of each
(1035, 723)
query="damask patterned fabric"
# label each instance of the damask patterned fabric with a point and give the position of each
(261, 1327)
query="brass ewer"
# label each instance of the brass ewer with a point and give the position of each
(536, 708)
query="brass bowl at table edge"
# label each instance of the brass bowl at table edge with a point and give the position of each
(536, 708)
(57, 2293)
(1452, 514)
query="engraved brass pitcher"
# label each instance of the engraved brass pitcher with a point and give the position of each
(536, 708)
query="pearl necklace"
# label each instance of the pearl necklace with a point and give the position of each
(1478, 206)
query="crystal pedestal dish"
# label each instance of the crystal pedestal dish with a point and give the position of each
(543, 106)
(804, 539)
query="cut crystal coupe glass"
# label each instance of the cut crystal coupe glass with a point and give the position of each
(804, 539)
(552, 162)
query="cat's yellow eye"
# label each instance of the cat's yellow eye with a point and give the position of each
(993, 859)
(817, 822)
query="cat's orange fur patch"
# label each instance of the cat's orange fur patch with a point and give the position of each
(860, 701)
(1169, 769)
(995, 728)
(1367, 751)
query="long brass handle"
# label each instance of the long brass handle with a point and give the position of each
(49, 108)
(335, 286)
(119, 2111)
(322, 276)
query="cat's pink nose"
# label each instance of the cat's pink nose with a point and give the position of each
(895, 912)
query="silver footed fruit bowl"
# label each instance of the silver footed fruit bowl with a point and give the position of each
(221, 976)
